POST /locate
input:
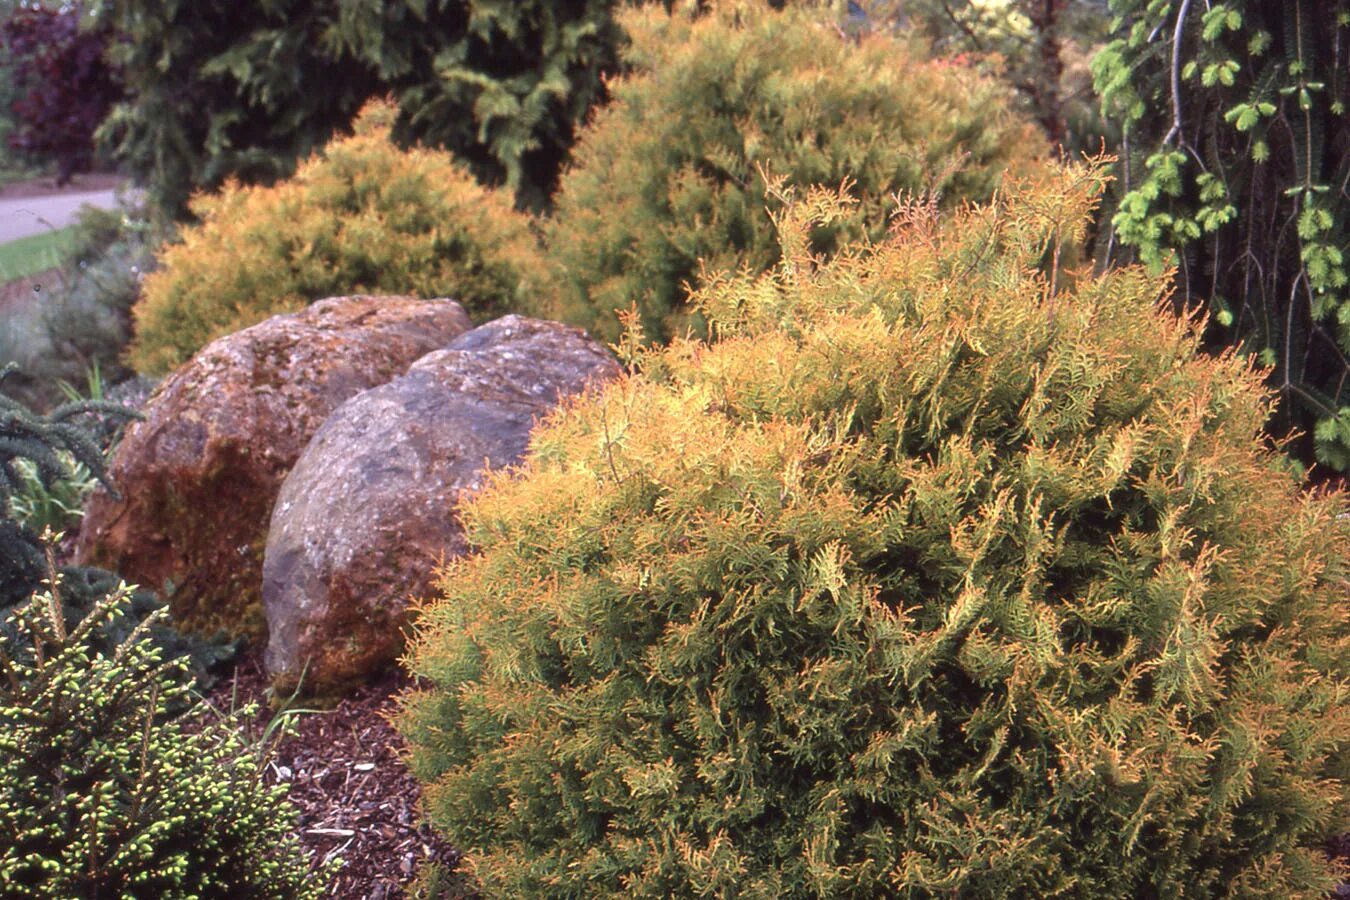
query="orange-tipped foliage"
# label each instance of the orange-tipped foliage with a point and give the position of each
(675, 174)
(944, 572)
(361, 216)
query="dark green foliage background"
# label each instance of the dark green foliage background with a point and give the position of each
(1236, 159)
(25, 434)
(222, 87)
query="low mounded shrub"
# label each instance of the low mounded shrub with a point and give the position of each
(678, 168)
(943, 572)
(361, 216)
(77, 324)
(87, 317)
(102, 796)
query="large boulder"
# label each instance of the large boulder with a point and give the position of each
(368, 512)
(198, 477)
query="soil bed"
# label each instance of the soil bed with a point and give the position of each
(357, 801)
(45, 186)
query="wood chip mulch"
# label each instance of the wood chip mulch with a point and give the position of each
(358, 803)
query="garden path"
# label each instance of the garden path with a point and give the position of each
(34, 215)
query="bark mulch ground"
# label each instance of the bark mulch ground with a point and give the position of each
(358, 803)
(1339, 848)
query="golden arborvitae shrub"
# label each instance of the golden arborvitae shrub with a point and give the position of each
(677, 170)
(943, 572)
(361, 216)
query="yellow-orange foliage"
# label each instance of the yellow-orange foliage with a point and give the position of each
(940, 574)
(674, 175)
(360, 216)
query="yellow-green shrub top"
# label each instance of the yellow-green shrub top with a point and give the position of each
(943, 572)
(672, 172)
(360, 216)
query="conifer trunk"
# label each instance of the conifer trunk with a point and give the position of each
(1045, 19)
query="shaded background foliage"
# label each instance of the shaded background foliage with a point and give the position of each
(1236, 169)
(220, 87)
(61, 85)
(1040, 47)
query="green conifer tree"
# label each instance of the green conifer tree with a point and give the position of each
(52, 443)
(39, 439)
(245, 88)
(1236, 169)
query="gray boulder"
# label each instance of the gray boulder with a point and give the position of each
(197, 477)
(368, 512)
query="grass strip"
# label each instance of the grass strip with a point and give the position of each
(30, 255)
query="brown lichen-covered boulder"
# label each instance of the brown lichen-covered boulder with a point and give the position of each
(198, 477)
(368, 512)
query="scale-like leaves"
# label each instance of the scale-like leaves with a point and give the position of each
(945, 570)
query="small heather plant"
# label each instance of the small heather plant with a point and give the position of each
(103, 795)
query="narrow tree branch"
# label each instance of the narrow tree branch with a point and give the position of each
(1177, 34)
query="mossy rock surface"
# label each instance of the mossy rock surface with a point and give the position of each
(197, 478)
(368, 513)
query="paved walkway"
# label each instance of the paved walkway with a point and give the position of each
(34, 215)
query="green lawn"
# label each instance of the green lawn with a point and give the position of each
(30, 255)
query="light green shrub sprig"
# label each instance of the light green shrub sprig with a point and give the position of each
(943, 572)
(102, 796)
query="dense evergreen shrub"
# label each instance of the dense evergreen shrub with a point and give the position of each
(943, 572)
(245, 88)
(673, 170)
(50, 444)
(361, 216)
(62, 83)
(102, 796)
